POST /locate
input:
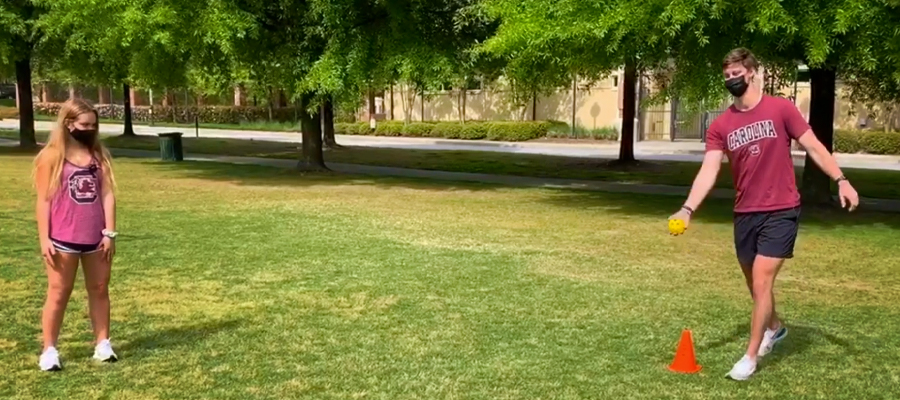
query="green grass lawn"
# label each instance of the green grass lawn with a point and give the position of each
(869, 183)
(237, 282)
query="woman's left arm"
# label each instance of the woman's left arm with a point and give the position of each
(109, 211)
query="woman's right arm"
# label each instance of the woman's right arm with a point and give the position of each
(42, 209)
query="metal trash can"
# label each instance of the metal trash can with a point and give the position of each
(170, 148)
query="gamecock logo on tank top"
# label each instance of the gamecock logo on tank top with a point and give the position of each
(83, 187)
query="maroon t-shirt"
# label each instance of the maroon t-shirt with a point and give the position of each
(758, 145)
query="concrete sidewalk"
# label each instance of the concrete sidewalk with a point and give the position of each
(691, 151)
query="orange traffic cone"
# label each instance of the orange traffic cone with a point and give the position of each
(685, 362)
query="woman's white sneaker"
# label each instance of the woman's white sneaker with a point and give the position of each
(49, 360)
(104, 352)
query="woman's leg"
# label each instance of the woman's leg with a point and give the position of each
(96, 280)
(60, 280)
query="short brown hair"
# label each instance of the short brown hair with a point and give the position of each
(742, 56)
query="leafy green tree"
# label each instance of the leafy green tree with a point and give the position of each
(149, 43)
(549, 42)
(835, 39)
(278, 50)
(20, 39)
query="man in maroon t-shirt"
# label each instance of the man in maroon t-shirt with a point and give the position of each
(756, 133)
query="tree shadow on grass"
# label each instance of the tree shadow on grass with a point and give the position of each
(183, 335)
(18, 151)
(713, 211)
(800, 339)
(739, 332)
(266, 175)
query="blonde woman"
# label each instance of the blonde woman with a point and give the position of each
(76, 219)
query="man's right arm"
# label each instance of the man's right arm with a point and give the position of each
(706, 178)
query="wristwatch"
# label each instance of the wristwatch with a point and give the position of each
(840, 178)
(110, 234)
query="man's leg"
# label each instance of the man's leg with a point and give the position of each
(765, 269)
(771, 238)
(774, 323)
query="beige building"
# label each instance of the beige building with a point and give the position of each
(592, 107)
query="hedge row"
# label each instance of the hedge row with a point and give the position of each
(184, 115)
(507, 131)
(870, 142)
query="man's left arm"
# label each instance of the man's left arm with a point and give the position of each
(820, 155)
(800, 131)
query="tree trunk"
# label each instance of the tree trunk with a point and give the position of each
(407, 98)
(626, 145)
(459, 106)
(534, 106)
(129, 127)
(45, 94)
(574, 103)
(465, 98)
(103, 95)
(240, 98)
(816, 185)
(328, 124)
(282, 99)
(272, 104)
(26, 104)
(370, 101)
(312, 158)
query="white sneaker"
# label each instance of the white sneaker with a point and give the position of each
(49, 360)
(104, 352)
(743, 369)
(770, 338)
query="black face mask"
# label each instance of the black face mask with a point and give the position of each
(736, 86)
(85, 137)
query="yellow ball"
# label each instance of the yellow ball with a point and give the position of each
(676, 226)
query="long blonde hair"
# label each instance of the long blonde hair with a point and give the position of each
(54, 152)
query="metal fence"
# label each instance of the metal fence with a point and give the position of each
(656, 122)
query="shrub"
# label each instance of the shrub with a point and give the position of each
(517, 131)
(184, 115)
(871, 142)
(476, 131)
(449, 130)
(355, 128)
(847, 141)
(389, 128)
(473, 130)
(512, 131)
(881, 142)
(418, 129)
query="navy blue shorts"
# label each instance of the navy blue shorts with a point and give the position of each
(769, 234)
(75, 248)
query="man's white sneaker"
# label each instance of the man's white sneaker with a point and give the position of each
(743, 369)
(770, 338)
(49, 360)
(104, 352)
